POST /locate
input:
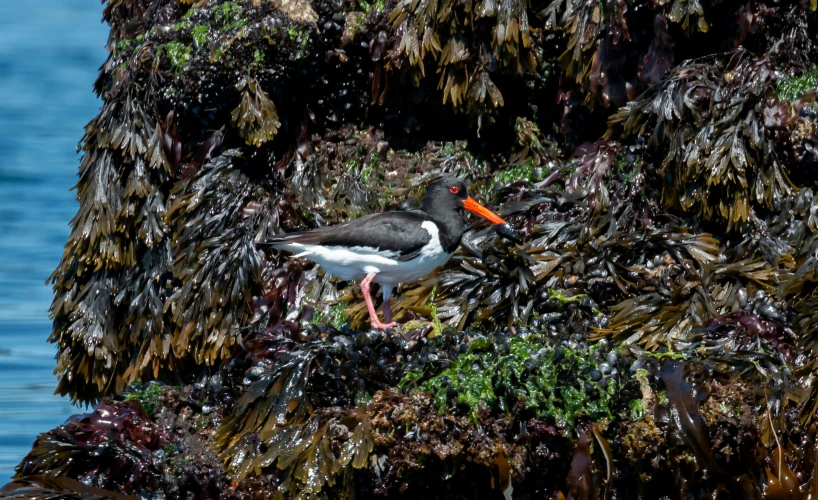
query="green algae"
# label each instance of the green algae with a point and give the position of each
(662, 398)
(122, 46)
(199, 34)
(665, 355)
(149, 396)
(178, 54)
(228, 12)
(562, 299)
(258, 57)
(238, 23)
(378, 6)
(181, 25)
(217, 56)
(637, 409)
(792, 88)
(363, 398)
(437, 326)
(628, 169)
(230, 16)
(301, 36)
(171, 449)
(527, 171)
(371, 166)
(552, 384)
(190, 13)
(410, 379)
(335, 316)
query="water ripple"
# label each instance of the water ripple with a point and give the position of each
(50, 53)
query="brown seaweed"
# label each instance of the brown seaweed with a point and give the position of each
(580, 480)
(684, 410)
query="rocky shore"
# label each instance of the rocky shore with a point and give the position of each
(654, 336)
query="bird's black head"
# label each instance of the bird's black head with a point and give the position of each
(449, 195)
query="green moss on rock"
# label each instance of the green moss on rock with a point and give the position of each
(791, 88)
(150, 396)
(526, 376)
(178, 54)
(199, 34)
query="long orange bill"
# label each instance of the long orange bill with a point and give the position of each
(474, 207)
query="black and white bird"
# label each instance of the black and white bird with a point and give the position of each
(390, 248)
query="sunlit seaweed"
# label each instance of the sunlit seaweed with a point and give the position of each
(218, 266)
(468, 42)
(256, 117)
(709, 119)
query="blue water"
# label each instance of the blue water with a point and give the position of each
(50, 53)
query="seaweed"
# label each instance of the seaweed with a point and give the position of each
(720, 150)
(685, 415)
(579, 477)
(42, 487)
(654, 161)
(468, 43)
(256, 116)
(110, 448)
(119, 451)
(219, 274)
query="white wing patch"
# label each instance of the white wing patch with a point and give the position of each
(431, 250)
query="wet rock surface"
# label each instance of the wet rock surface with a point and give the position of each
(644, 327)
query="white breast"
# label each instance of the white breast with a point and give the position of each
(358, 262)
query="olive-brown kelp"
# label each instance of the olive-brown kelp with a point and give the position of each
(654, 335)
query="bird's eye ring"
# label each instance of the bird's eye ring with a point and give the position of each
(454, 190)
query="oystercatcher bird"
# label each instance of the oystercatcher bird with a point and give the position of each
(393, 247)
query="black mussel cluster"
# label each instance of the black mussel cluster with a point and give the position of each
(343, 365)
(566, 319)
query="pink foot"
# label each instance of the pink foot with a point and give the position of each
(373, 315)
(382, 326)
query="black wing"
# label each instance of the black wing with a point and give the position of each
(398, 232)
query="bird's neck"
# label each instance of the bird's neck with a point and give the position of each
(451, 227)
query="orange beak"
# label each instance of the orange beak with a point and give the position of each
(474, 207)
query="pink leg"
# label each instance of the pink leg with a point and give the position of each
(373, 314)
(387, 311)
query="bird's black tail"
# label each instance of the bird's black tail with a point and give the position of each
(277, 240)
(311, 236)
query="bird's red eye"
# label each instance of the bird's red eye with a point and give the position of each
(454, 190)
